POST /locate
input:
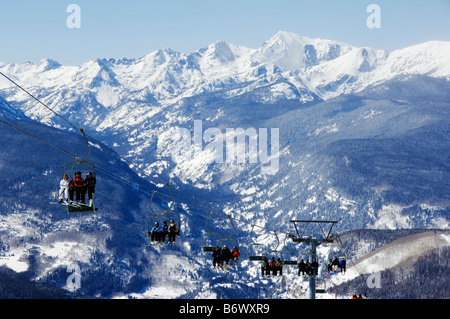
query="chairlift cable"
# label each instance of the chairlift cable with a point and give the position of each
(39, 101)
(36, 137)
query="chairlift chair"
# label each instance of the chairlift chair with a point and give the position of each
(252, 255)
(220, 239)
(336, 253)
(167, 214)
(269, 252)
(84, 167)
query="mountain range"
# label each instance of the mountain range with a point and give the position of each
(363, 139)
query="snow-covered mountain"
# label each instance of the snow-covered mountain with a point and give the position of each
(362, 140)
(286, 67)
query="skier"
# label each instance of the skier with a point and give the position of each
(308, 267)
(173, 230)
(279, 267)
(163, 231)
(301, 267)
(265, 266)
(216, 255)
(314, 267)
(155, 233)
(64, 189)
(343, 265)
(272, 266)
(330, 265)
(90, 182)
(235, 256)
(335, 263)
(76, 186)
(226, 255)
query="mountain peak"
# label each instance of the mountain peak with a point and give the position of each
(284, 49)
(288, 38)
(48, 64)
(223, 51)
(290, 51)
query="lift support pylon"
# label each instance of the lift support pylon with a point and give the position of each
(301, 237)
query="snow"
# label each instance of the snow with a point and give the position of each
(430, 58)
(14, 261)
(391, 217)
(324, 67)
(406, 249)
(401, 253)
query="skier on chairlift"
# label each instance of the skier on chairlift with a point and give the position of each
(235, 256)
(272, 263)
(154, 235)
(301, 267)
(226, 256)
(342, 265)
(265, 267)
(335, 263)
(308, 267)
(163, 231)
(314, 267)
(278, 267)
(173, 231)
(216, 255)
(90, 182)
(76, 186)
(330, 266)
(64, 189)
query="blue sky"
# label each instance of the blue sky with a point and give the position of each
(32, 30)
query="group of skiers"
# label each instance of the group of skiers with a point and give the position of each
(308, 268)
(334, 264)
(78, 187)
(271, 265)
(225, 257)
(304, 268)
(158, 233)
(312, 268)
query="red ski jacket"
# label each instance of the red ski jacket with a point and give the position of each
(76, 183)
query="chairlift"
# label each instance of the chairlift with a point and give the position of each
(252, 256)
(213, 239)
(167, 214)
(289, 252)
(322, 287)
(221, 239)
(276, 253)
(82, 167)
(336, 255)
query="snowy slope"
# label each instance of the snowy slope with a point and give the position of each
(398, 256)
(7, 111)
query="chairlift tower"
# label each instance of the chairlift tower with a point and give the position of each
(326, 227)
